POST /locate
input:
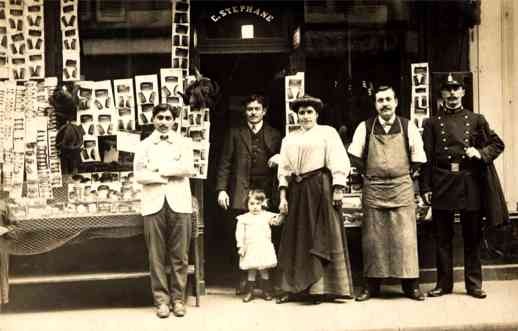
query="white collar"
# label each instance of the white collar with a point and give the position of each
(156, 136)
(389, 122)
(257, 126)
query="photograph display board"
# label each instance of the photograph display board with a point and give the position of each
(294, 88)
(420, 104)
(146, 89)
(70, 39)
(180, 35)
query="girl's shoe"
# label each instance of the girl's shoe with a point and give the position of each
(249, 296)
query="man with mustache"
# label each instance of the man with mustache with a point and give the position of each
(163, 164)
(248, 161)
(458, 143)
(388, 150)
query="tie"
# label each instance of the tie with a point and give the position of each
(164, 137)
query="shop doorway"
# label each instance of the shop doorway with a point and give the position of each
(238, 75)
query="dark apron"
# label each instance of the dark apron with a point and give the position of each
(389, 239)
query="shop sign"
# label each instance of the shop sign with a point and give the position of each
(242, 9)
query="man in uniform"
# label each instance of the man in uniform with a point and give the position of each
(451, 183)
(388, 149)
(248, 161)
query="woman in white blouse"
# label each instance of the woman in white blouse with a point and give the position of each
(313, 256)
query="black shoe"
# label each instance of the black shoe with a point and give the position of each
(438, 292)
(415, 294)
(249, 296)
(365, 295)
(286, 297)
(477, 293)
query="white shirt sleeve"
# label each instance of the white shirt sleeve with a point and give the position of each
(337, 160)
(357, 146)
(284, 169)
(415, 142)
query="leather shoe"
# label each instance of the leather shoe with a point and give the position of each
(415, 294)
(162, 311)
(179, 308)
(364, 296)
(284, 298)
(437, 292)
(477, 293)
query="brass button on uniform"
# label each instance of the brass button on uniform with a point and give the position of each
(443, 132)
(467, 124)
(449, 157)
(445, 148)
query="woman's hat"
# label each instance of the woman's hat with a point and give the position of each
(307, 101)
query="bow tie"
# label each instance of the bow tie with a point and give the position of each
(164, 137)
(387, 124)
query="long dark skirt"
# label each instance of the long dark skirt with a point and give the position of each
(313, 254)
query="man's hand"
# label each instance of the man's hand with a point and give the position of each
(223, 199)
(241, 251)
(472, 152)
(283, 206)
(274, 161)
(427, 198)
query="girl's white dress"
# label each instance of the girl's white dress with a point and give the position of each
(253, 233)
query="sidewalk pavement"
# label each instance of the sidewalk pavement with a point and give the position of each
(222, 311)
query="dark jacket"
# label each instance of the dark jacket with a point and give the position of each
(235, 162)
(454, 179)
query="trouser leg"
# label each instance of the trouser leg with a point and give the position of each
(154, 234)
(472, 234)
(443, 226)
(180, 228)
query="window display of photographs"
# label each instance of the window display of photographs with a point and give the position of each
(146, 88)
(294, 88)
(124, 102)
(85, 91)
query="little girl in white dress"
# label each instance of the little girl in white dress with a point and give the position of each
(254, 244)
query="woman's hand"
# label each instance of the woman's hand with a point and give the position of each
(241, 251)
(338, 195)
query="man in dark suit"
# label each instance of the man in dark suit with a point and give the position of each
(451, 183)
(248, 161)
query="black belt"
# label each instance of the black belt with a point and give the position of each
(457, 166)
(301, 177)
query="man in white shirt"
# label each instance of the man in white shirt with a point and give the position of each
(387, 149)
(163, 164)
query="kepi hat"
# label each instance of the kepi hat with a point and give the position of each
(453, 79)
